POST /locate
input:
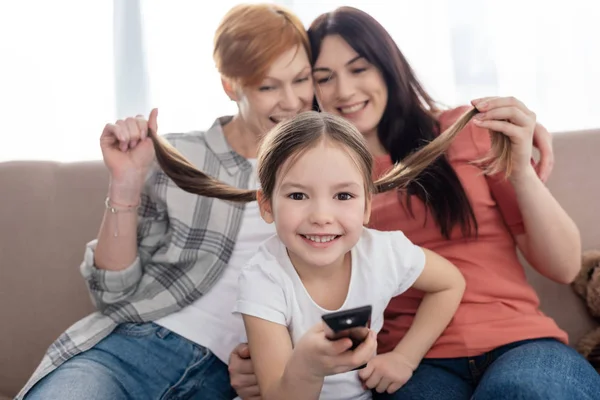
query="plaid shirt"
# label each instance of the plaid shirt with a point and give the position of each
(184, 244)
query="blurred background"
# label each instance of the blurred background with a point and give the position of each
(68, 67)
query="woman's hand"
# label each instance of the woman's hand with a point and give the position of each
(241, 373)
(128, 154)
(542, 140)
(512, 118)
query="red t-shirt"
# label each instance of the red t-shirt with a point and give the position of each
(499, 306)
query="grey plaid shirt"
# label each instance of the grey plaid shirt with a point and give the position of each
(184, 244)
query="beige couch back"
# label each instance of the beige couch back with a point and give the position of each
(48, 211)
(575, 184)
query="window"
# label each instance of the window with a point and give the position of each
(69, 67)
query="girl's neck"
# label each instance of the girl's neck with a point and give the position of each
(241, 138)
(327, 285)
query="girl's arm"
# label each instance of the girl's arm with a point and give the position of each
(284, 373)
(444, 286)
(279, 376)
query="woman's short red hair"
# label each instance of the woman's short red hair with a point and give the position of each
(251, 37)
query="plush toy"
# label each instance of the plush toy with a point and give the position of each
(587, 285)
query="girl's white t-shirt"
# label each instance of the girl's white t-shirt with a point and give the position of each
(384, 265)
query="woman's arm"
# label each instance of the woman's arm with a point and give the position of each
(128, 154)
(117, 246)
(551, 242)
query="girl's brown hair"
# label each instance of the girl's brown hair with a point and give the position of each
(250, 37)
(292, 137)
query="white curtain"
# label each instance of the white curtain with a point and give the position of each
(56, 78)
(544, 53)
(68, 67)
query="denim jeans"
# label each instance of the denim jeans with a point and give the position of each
(139, 361)
(531, 369)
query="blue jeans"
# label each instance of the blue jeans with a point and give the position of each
(530, 369)
(139, 361)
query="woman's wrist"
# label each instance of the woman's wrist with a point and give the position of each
(125, 194)
(523, 176)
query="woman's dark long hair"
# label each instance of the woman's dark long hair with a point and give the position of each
(409, 120)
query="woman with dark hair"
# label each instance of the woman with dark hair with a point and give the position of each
(499, 344)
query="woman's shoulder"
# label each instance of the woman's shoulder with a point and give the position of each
(194, 138)
(449, 116)
(184, 139)
(198, 145)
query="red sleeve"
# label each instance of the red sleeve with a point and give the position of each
(501, 189)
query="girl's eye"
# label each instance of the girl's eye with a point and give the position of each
(297, 196)
(359, 70)
(266, 88)
(344, 196)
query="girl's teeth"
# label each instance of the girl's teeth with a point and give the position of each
(354, 108)
(320, 239)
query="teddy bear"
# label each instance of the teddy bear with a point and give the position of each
(587, 285)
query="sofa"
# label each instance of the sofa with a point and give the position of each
(49, 210)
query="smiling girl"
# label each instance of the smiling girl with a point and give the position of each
(316, 187)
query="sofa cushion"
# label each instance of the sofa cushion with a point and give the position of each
(576, 185)
(49, 211)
